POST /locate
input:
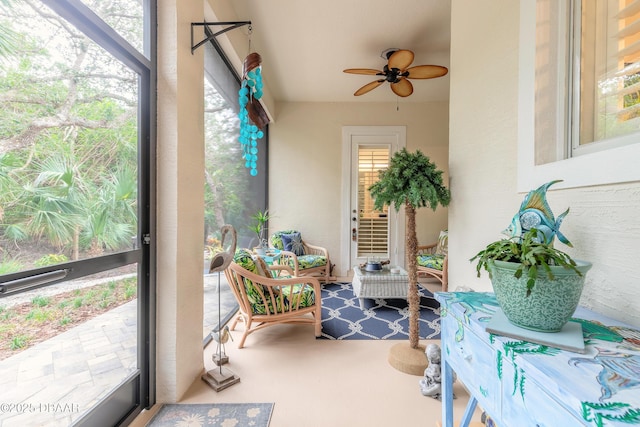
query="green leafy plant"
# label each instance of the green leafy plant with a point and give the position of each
(40, 301)
(261, 218)
(19, 342)
(51, 259)
(38, 315)
(131, 290)
(10, 266)
(532, 255)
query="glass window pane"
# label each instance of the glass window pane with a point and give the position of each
(610, 69)
(587, 77)
(67, 344)
(373, 225)
(125, 16)
(68, 157)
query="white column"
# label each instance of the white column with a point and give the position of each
(180, 212)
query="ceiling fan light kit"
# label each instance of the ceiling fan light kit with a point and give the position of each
(397, 72)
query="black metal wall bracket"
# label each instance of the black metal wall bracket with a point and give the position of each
(230, 26)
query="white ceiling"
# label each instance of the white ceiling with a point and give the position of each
(305, 45)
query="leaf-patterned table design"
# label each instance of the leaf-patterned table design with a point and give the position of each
(526, 384)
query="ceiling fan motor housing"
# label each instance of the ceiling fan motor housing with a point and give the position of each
(392, 75)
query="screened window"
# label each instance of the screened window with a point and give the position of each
(232, 195)
(587, 80)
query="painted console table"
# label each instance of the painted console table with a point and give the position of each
(519, 383)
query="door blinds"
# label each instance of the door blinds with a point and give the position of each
(373, 225)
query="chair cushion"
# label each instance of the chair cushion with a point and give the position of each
(293, 243)
(244, 258)
(304, 292)
(442, 247)
(435, 261)
(310, 261)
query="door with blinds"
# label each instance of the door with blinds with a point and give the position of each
(372, 232)
(372, 225)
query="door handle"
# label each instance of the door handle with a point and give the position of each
(354, 234)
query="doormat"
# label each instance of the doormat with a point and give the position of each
(381, 319)
(213, 414)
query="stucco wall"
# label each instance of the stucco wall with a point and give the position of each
(305, 161)
(180, 200)
(603, 223)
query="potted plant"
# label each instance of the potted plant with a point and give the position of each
(412, 181)
(261, 218)
(537, 286)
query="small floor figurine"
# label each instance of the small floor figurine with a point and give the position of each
(220, 357)
(431, 384)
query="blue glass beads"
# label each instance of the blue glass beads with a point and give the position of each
(249, 132)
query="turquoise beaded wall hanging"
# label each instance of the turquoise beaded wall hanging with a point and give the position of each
(252, 115)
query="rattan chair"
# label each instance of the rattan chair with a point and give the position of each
(433, 260)
(266, 301)
(311, 261)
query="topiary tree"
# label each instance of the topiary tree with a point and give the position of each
(412, 181)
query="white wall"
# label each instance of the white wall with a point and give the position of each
(603, 223)
(305, 182)
(180, 200)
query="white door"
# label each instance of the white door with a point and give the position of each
(368, 232)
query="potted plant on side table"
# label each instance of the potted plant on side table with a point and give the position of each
(537, 286)
(259, 227)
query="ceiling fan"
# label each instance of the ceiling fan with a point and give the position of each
(397, 72)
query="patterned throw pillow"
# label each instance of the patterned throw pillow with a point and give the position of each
(293, 243)
(244, 258)
(276, 238)
(263, 268)
(443, 243)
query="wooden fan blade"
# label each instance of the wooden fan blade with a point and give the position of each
(402, 88)
(368, 87)
(401, 59)
(426, 71)
(367, 71)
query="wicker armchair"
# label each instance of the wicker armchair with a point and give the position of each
(310, 260)
(433, 260)
(265, 301)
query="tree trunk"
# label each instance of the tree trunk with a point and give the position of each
(413, 298)
(217, 204)
(76, 244)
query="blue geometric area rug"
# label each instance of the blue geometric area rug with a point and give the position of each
(213, 414)
(381, 319)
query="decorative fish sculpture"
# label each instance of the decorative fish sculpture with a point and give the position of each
(535, 213)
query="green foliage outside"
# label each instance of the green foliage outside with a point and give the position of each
(68, 140)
